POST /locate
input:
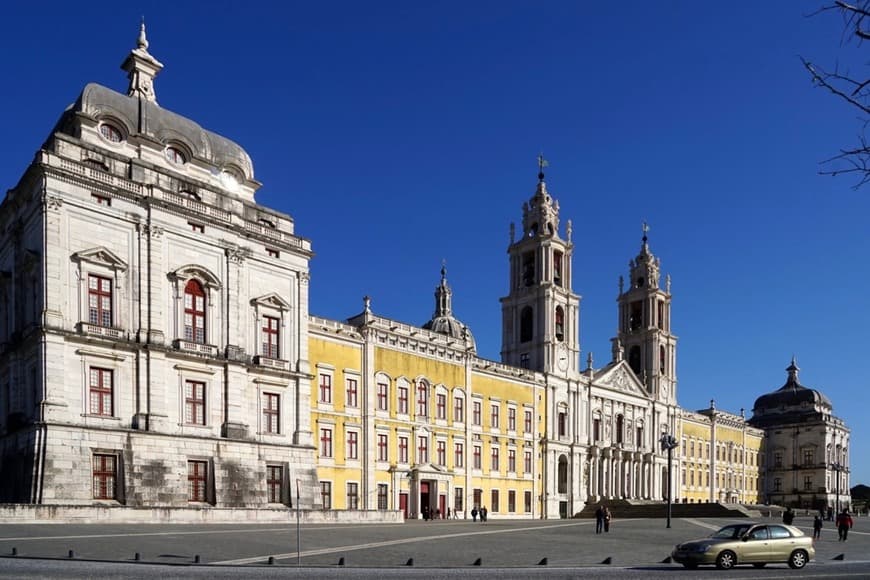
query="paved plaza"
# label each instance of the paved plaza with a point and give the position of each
(438, 549)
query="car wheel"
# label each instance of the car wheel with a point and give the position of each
(798, 559)
(726, 560)
(760, 564)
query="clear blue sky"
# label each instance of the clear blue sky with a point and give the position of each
(398, 134)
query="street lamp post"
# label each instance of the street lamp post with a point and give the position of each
(668, 443)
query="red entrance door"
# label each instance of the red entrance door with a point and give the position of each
(403, 504)
(442, 505)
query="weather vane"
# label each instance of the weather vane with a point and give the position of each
(645, 228)
(541, 164)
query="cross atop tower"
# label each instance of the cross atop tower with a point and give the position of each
(541, 164)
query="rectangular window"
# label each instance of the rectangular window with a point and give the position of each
(352, 451)
(808, 482)
(557, 268)
(512, 460)
(422, 449)
(494, 459)
(383, 441)
(101, 199)
(459, 409)
(99, 301)
(563, 424)
(351, 393)
(274, 482)
(101, 391)
(808, 457)
(493, 507)
(477, 496)
(197, 480)
(198, 228)
(639, 438)
(512, 501)
(422, 400)
(194, 403)
(383, 393)
(527, 426)
(403, 400)
(403, 450)
(441, 452)
(777, 459)
(512, 419)
(459, 455)
(493, 416)
(326, 442)
(596, 429)
(475, 413)
(527, 462)
(105, 476)
(524, 360)
(272, 253)
(271, 413)
(777, 484)
(271, 337)
(325, 388)
(457, 500)
(441, 406)
(326, 494)
(383, 496)
(476, 457)
(527, 502)
(353, 496)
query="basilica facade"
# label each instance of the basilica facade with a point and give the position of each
(157, 351)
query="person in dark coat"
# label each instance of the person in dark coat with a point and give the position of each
(844, 524)
(483, 513)
(599, 519)
(817, 527)
(474, 514)
(787, 516)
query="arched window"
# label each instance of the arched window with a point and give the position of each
(634, 359)
(620, 429)
(194, 312)
(560, 324)
(563, 474)
(526, 324)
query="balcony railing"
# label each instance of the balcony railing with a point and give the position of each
(104, 331)
(195, 347)
(272, 363)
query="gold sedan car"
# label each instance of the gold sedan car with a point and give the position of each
(747, 543)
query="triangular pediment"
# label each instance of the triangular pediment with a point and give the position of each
(272, 300)
(428, 468)
(101, 255)
(620, 377)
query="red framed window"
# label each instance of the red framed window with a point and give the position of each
(351, 393)
(110, 133)
(325, 388)
(422, 449)
(458, 409)
(101, 389)
(99, 301)
(274, 482)
(326, 494)
(494, 459)
(527, 422)
(403, 400)
(326, 442)
(271, 413)
(353, 496)
(194, 312)
(512, 501)
(476, 457)
(475, 413)
(527, 461)
(494, 501)
(441, 452)
(194, 403)
(403, 450)
(383, 396)
(422, 400)
(459, 455)
(197, 480)
(512, 460)
(105, 476)
(512, 419)
(271, 337)
(493, 417)
(352, 451)
(383, 441)
(441, 406)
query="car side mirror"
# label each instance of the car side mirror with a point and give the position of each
(745, 538)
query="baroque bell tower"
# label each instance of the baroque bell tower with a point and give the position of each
(541, 314)
(644, 336)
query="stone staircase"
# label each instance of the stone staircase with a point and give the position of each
(622, 509)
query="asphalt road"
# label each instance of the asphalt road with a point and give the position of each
(442, 549)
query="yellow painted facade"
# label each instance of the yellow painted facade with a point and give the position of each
(720, 458)
(408, 419)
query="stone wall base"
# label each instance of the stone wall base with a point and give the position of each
(90, 514)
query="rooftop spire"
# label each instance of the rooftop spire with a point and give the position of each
(793, 371)
(541, 164)
(141, 68)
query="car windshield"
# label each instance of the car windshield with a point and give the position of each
(731, 532)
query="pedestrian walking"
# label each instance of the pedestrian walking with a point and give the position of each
(788, 516)
(607, 517)
(844, 524)
(599, 519)
(474, 514)
(483, 514)
(817, 527)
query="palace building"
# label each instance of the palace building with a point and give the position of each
(157, 352)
